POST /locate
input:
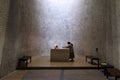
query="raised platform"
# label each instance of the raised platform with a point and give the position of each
(43, 62)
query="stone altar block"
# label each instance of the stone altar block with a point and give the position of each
(59, 55)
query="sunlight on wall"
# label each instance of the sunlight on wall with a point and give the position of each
(56, 18)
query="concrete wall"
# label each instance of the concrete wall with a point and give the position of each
(4, 4)
(109, 37)
(118, 29)
(116, 33)
(13, 42)
(113, 34)
(4, 7)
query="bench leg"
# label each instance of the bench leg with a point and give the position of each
(86, 58)
(115, 77)
(22, 64)
(26, 63)
(30, 59)
(91, 61)
(107, 75)
(98, 65)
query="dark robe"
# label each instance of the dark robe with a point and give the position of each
(70, 46)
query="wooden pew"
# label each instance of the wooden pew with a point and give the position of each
(105, 66)
(92, 58)
(28, 58)
(23, 61)
(113, 72)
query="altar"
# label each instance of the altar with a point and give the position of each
(59, 55)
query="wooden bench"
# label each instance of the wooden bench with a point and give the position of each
(113, 72)
(28, 58)
(105, 66)
(92, 58)
(23, 62)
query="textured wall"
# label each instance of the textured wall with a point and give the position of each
(113, 31)
(113, 34)
(34, 26)
(118, 30)
(10, 50)
(109, 38)
(114, 24)
(4, 6)
(116, 33)
(3, 23)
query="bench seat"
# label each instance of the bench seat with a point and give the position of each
(113, 72)
(92, 58)
(23, 61)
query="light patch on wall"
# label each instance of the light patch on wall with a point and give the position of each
(56, 11)
(56, 19)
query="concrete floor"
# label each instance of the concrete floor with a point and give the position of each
(56, 75)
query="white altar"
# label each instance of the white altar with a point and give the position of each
(59, 55)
